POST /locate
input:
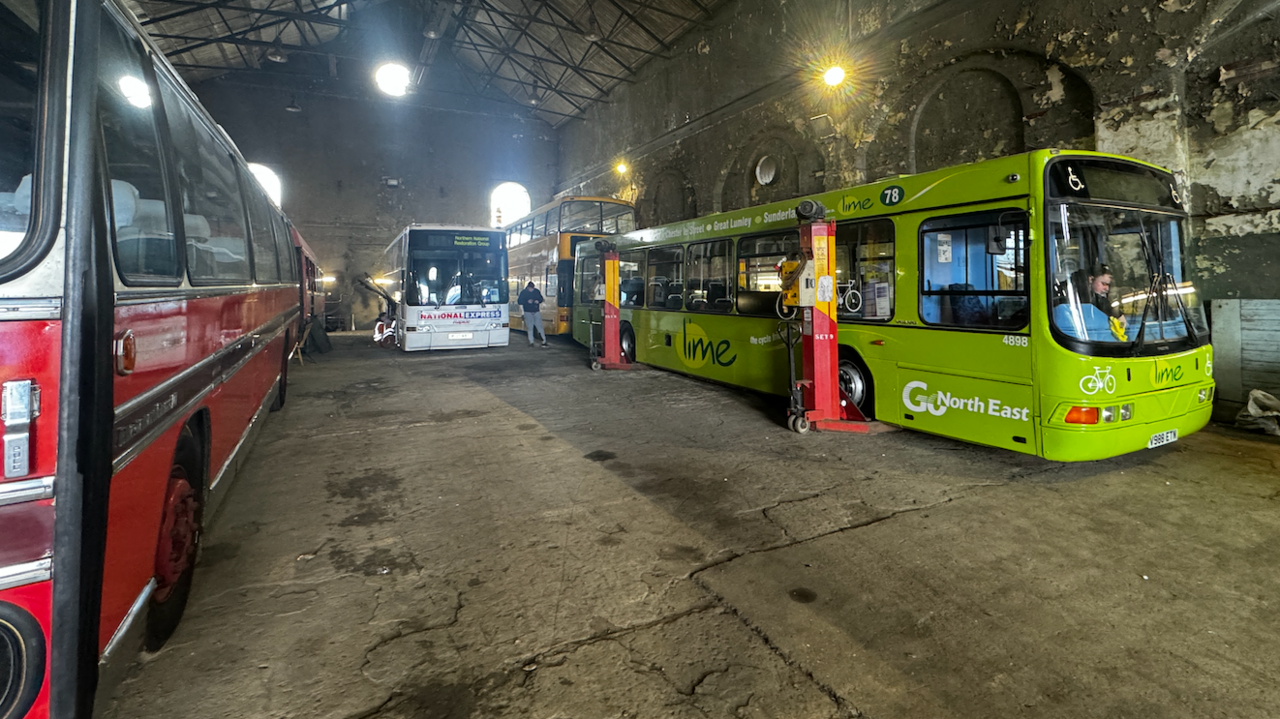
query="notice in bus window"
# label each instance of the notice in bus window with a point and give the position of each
(883, 308)
(944, 248)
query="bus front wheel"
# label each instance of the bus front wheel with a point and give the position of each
(856, 385)
(179, 541)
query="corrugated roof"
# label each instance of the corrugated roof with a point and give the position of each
(554, 56)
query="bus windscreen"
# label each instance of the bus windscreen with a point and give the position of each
(19, 81)
(455, 268)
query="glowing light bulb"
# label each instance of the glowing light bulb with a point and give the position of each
(392, 78)
(621, 168)
(833, 76)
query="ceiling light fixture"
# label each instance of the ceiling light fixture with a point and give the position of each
(276, 53)
(392, 78)
(833, 76)
(593, 33)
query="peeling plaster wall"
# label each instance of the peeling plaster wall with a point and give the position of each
(1193, 85)
(337, 157)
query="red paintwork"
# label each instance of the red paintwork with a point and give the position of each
(172, 336)
(32, 350)
(312, 287)
(37, 599)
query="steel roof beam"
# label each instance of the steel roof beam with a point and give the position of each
(556, 55)
(643, 28)
(501, 51)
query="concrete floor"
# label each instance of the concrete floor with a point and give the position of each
(506, 533)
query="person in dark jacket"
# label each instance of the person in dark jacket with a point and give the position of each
(531, 300)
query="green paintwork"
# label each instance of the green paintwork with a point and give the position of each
(997, 388)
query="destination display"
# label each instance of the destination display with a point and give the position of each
(442, 240)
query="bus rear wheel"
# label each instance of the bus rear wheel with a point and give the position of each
(278, 403)
(178, 543)
(627, 338)
(857, 386)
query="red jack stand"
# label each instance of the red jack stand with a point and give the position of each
(609, 354)
(825, 406)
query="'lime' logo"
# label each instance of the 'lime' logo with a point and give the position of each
(1163, 373)
(696, 348)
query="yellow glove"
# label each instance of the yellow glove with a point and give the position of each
(1118, 329)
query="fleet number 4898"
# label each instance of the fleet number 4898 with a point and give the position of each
(1016, 340)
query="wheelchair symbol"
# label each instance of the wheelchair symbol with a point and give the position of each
(1075, 182)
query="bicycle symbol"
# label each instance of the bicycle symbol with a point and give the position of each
(1099, 380)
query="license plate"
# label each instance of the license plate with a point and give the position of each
(459, 335)
(1162, 438)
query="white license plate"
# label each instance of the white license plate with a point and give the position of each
(1162, 438)
(459, 335)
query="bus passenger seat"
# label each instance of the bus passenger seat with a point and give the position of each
(675, 295)
(22, 196)
(124, 203)
(632, 290)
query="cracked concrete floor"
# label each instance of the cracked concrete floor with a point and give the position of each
(506, 533)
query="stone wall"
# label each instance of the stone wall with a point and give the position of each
(1193, 85)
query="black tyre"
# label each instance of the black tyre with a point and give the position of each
(179, 542)
(278, 403)
(22, 660)
(856, 385)
(627, 338)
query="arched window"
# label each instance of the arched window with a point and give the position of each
(269, 180)
(508, 203)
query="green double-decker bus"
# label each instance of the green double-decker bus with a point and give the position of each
(1039, 302)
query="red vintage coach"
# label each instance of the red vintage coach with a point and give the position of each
(150, 295)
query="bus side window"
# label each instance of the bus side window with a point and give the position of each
(588, 278)
(266, 268)
(631, 279)
(553, 220)
(758, 280)
(146, 249)
(865, 270)
(284, 248)
(539, 225)
(213, 210)
(707, 277)
(965, 285)
(665, 278)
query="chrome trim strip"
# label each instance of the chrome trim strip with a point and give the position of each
(126, 297)
(126, 624)
(257, 416)
(137, 445)
(168, 385)
(28, 490)
(44, 308)
(18, 575)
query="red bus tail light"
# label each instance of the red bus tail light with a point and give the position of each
(1082, 415)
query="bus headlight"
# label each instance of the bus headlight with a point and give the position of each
(1205, 394)
(1109, 414)
(1126, 412)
